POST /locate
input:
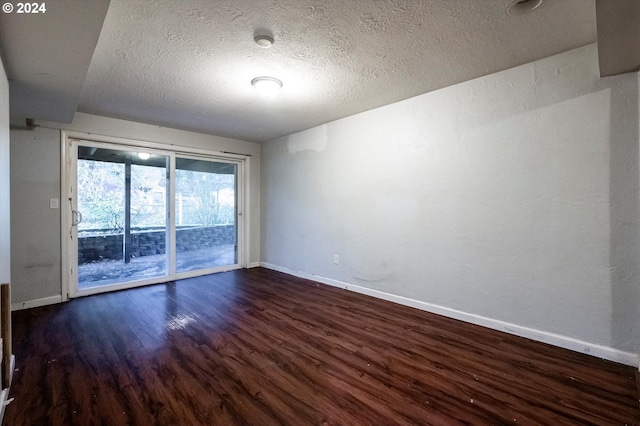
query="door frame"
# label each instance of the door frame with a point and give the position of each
(69, 255)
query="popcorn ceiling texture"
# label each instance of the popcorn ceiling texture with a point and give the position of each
(189, 64)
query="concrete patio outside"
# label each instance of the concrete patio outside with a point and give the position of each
(111, 271)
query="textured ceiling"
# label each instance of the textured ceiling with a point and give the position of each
(188, 64)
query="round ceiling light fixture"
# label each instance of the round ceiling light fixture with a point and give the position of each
(264, 41)
(266, 86)
(144, 155)
(521, 7)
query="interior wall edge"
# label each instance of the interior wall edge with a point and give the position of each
(5, 174)
(565, 342)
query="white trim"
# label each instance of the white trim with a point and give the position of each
(565, 342)
(105, 288)
(51, 300)
(175, 148)
(65, 215)
(170, 199)
(244, 224)
(200, 272)
(254, 265)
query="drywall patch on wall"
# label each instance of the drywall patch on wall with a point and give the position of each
(315, 139)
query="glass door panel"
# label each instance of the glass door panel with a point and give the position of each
(121, 216)
(205, 214)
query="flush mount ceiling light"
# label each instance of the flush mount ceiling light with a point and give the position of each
(264, 41)
(266, 86)
(144, 155)
(520, 7)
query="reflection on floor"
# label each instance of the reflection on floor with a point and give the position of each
(258, 347)
(116, 271)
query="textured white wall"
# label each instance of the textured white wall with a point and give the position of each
(511, 197)
(5, 234)
(35, 246)
(35, 178)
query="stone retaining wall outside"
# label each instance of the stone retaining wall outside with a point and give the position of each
(146, 243)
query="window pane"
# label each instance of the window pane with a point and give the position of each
(123, 232)
(205, 214)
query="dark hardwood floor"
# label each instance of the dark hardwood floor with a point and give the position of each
(258, 347)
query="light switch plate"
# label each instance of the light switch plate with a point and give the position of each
(54, 203)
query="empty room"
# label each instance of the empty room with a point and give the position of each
(337, 212)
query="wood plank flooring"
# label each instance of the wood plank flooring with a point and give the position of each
(257, 347)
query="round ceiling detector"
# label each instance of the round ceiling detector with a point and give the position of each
(521, 7)
(264, 41)
(266, 86)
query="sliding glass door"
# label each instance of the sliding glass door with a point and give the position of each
(121, 216)
(140, 216)
(206, 231)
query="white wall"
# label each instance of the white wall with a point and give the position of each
(5, 234)
(510, 200)
(35, 178)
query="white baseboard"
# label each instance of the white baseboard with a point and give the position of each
(565, 342)
(51, 300)
(253, 265)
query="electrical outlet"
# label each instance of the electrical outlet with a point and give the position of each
(336, 259)
(54, 203)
